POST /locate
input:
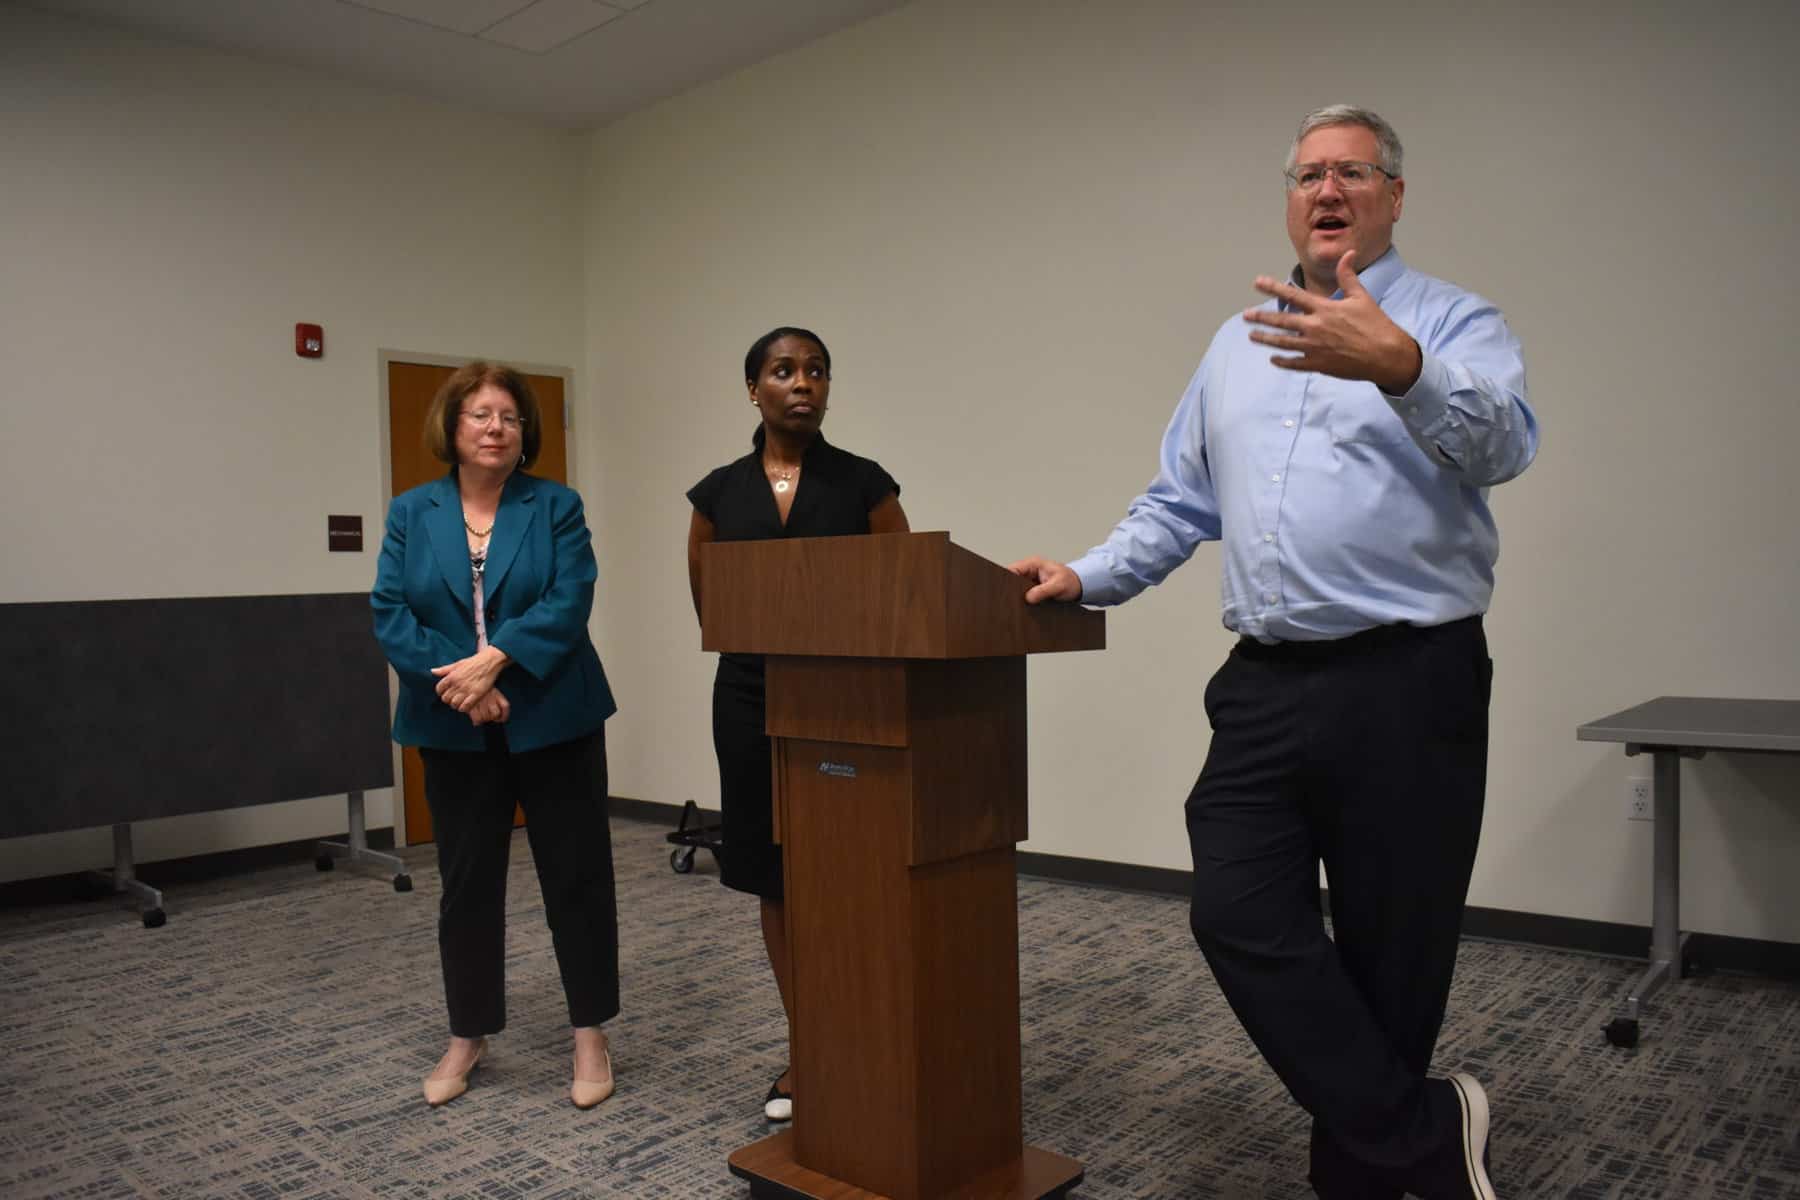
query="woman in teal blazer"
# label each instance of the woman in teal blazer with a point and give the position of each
(481, 602)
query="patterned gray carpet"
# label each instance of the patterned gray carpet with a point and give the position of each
(270, 1040)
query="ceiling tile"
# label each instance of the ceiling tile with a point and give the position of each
(550, 23)
(655, 50)
(459, 16)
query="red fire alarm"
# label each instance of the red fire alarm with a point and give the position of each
(309, 341)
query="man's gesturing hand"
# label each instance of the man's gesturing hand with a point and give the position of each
(1349, 338)
(1052, 580)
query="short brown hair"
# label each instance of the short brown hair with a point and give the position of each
(465, 381)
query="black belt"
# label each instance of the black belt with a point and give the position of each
(1357, 643)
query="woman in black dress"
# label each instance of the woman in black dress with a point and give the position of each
(791, 484)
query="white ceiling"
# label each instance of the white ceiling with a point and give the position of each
(574, 63)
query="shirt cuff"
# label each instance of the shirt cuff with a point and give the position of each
(1096, 580)
(1426, 405)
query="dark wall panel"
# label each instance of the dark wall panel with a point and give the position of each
(122, 710)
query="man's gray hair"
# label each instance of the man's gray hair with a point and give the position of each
(1349, 114)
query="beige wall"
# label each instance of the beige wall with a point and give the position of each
(1018, 222)
(166, 216)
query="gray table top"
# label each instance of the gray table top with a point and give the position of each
(1702, 722)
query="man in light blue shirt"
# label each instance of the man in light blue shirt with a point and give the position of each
(1347, 476)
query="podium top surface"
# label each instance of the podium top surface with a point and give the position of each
(896, 595)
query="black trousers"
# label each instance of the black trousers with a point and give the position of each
(563, 790)
(1369, 755)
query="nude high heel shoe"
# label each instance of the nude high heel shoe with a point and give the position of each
(440, 1091)
(588, 1092)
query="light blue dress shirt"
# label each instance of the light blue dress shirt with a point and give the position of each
(1340, 508)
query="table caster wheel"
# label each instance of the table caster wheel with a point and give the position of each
(403, 883)
(155, 918)
(1622, 1031)
(324, 862)
(681, 861)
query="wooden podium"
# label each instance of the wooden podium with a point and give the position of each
(896, 700)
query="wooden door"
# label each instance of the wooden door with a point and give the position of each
(410, 389)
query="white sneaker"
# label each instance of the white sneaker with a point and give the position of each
(778, 1106)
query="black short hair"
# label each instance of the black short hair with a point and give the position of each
(758, 354)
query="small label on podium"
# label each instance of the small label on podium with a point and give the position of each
(841, 770)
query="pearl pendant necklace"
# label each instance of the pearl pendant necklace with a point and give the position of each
(783, 478)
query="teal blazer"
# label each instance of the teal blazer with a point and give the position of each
(539, 590)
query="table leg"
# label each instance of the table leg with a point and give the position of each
(1666, 941)
(123, 879)
(355, 849)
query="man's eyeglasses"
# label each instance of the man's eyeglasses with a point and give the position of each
(481, 416)
(1351, 176)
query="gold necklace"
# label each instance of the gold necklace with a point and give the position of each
(782, 478)
(474, 532)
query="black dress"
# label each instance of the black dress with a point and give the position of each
(832, 498)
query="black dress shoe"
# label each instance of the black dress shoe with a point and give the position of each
(778, 1106)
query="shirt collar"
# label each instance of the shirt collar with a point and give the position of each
(1377, 277)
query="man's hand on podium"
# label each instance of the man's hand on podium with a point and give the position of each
(1051, 580)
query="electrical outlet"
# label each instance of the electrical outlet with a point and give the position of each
(1638, 806)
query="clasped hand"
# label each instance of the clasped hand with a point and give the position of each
(490, 709)
(467, 685)
(1349, 338)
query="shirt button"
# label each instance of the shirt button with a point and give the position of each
(1288, 424)
(1268, 537)
(1275, 478)
(1412, 410)
(1269, 596)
